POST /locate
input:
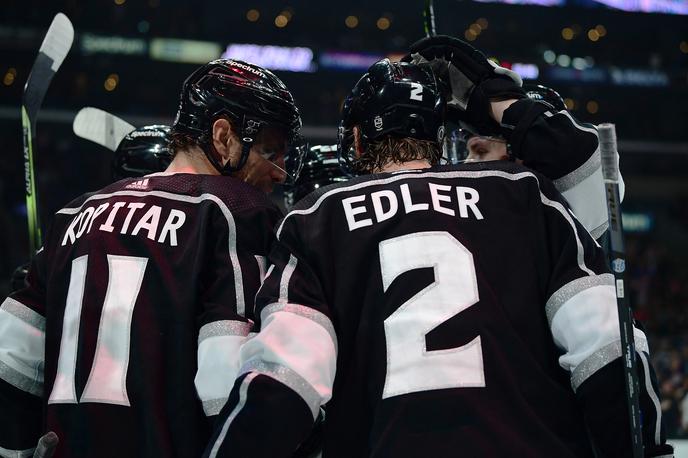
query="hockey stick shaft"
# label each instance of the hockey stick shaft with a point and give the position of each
(617, 257)
(429, 19)
(35, 239)
(56, 44)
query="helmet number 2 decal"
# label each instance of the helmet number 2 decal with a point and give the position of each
(416, 92)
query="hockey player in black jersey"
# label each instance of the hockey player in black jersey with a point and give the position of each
(438, 310)
(127, 336)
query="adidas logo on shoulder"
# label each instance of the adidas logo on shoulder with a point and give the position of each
(140, 184)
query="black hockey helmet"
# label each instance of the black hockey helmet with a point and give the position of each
(545, 94)
(392, 98)
(320, 168)
(251, 97)
(142, 151)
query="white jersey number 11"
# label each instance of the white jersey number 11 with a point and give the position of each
(107, 380)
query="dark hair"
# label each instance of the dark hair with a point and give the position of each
(391, 149)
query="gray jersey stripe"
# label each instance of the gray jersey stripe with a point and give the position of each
(653, 396)
(404, 176)
(238, 278)
(601, 358)
(286, 276)
(27, 315)
(287, 377)
(224, 328)
(303, 311)
(213, 406)
(448, 174)
(243, 389)
(572, 288)
(579, 246)
(570, 180)
(20, 381)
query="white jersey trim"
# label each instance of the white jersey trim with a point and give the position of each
(22, 347)
(243, 392)
(653, 396)
(238, 278)
(566, 292)
(448, 174)
(7, 453)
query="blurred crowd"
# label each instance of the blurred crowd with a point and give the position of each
(659, 294)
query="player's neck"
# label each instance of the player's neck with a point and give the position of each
(191, 161)
(410, 165)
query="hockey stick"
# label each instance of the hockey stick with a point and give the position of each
(52, 52)
(617, 256)
(101, 127)
(429, 19)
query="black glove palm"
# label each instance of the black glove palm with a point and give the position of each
(470, 79)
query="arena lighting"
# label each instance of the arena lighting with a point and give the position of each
(292, 59)
(10, 76)
(563, 60)
(526, 71)
(252, 15)
(99, 44)
(343, 60)
(549, 56)
(638, 77)
(351, 22)
(185, 51)
(637, 222)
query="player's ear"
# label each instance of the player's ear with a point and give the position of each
(224, 140)
(358, 144)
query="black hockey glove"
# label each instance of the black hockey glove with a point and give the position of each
(471, 80)
(46, 445)
(18, 280)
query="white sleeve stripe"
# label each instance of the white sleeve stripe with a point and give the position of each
(560, 208)
(224, 328)
(5, 453)
(305, 312)
(243, 391)
(570, 180)
(653, 396)
(24, 313)
(569, 290)
(591, 130)
(601, 358)
(287, 377)
(20, 381)
(284, 280)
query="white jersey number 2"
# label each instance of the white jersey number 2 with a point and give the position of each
(410, 366)
(107, 380)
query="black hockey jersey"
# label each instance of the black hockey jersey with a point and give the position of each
(450, 311)
(128, 336)
(567, 152)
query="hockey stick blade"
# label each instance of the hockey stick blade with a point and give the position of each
(617, 256)
(56, 44)
(101, 127)
(46, 445)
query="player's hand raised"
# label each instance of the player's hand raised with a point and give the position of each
(471, 79)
